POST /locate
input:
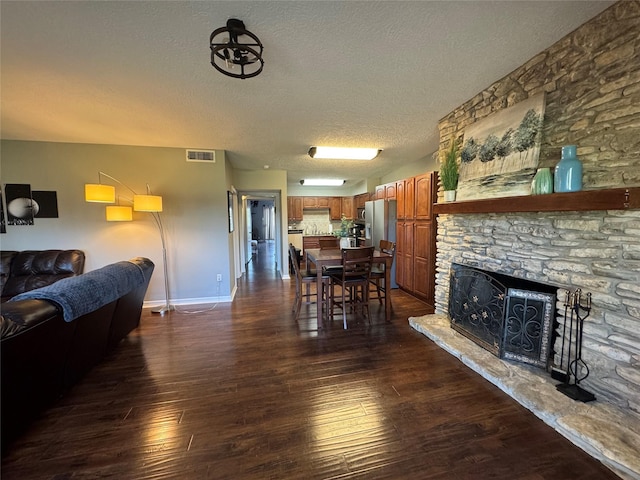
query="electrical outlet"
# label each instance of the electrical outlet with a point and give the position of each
(219, 277)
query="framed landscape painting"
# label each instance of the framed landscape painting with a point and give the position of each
(499, 155)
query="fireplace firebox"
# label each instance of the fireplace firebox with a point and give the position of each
(510, 317)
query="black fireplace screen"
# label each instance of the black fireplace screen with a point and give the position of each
(527, 327)
(476, 306)
(512, 323)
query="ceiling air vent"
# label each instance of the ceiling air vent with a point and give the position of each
(206, 156)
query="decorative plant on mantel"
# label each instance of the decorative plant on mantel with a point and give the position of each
(449, 172)
(345, 225)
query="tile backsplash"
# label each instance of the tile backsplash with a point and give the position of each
(315, 222)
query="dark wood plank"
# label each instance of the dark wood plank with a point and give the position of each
(586, 200)
(242, 391)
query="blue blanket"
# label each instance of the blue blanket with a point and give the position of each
(82, 294)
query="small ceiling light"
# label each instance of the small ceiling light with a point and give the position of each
(229, 51)
(344, 153)
(321, 182)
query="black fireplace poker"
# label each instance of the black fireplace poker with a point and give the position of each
(577, 369)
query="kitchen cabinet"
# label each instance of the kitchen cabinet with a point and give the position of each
(294, 209)
(400, 199)
(390, 191)
(322, 202)
(405, 198)
(416, 236)
(310, 202)
(386, 191)
(404, 255)
(335, 207)
(360, 199)
(424, 259)
(315, 202)
(347, 207)
(425, 199)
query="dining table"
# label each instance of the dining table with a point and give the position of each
(333, 256)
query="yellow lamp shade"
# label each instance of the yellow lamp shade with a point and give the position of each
(94, 192)
(147, 203)
(117, 213)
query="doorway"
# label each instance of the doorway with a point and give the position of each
(261, 239)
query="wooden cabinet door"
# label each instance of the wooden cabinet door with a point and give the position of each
(400, 199)
(309, 202)
(347, 207)
(404, 255)
(390, 191)
(410, 198)
(335, 208)
(400, 254)
(362, 198)
(323, 202)
(425, 196)
(424, 261)
(294, 208)
(380, 192)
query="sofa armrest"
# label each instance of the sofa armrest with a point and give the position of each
(23, 315)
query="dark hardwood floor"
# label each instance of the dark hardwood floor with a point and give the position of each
(242, 391)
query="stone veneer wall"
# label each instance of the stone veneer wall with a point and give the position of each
(592, 83)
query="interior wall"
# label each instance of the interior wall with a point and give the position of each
(426, 164)
(194, 201)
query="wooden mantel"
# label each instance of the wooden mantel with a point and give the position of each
(585, 200)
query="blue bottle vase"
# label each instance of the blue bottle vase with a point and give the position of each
(568, 172)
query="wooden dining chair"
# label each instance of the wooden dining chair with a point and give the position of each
(353, 280)
(378, 270)
(304, 282)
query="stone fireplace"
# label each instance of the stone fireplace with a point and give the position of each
(598, 252)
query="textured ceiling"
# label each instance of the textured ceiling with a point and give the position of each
(347, 73)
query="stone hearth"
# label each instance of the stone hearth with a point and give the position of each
(605, 431)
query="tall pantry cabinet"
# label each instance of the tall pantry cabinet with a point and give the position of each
(416, 235)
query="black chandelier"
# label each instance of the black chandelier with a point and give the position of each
(228, 51)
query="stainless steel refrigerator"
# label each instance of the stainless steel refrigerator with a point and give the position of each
(380, 224)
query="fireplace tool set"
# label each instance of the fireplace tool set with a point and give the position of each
(575, 312)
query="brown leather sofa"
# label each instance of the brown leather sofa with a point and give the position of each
(44, 351)
(31, 269)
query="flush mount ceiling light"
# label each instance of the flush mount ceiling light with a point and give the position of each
(235, 51)
(321, 182)
(344, 153)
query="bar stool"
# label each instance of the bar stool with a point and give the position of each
(378, 271)
(353, 280)
(307, 280)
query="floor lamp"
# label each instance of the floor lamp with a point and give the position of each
(149, 203)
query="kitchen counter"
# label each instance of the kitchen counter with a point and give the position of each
(313, 241)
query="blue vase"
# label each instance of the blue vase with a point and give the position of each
(542, 182)
(568, 173)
